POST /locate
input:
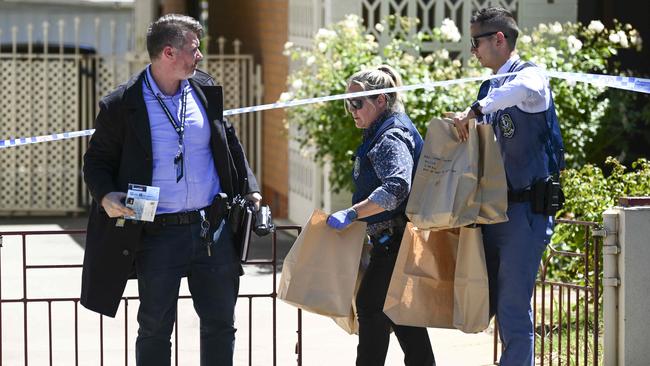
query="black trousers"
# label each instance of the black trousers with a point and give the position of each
(165, 256)
(374, 325)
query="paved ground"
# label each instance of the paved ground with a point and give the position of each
(323, 342)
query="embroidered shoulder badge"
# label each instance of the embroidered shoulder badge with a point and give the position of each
(507, 126)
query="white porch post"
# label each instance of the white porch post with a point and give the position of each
(610, 286)
(627, 306)
(144, 13)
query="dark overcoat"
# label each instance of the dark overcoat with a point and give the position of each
(120, 153)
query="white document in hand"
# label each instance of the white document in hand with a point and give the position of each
(143, 200)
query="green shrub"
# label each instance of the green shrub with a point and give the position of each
(572, 47)
(589, 192)
(344, 48)
(625, 123)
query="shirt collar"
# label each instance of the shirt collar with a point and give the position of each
(185, 84)
(374, 126)
(506, 67)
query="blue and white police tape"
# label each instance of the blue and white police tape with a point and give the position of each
(619, 82)
(639, 85)
(44, 138)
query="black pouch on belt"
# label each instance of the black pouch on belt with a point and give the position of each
(218, 209)
(547, 196)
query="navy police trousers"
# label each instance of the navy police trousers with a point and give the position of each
(513, 251)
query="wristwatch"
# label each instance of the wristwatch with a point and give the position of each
(353, 214)
(476, 108)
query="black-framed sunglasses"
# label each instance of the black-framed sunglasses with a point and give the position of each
(474, 41)
(354, 104)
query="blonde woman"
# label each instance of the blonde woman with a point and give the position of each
(384, 165)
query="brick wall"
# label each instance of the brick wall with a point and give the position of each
(261, 25)
(173, 6)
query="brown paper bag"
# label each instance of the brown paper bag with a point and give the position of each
(440, 280)
(471, 290)
(421, 290)
(350, 323)
(446, 179)
(320, 271)
(492, 187)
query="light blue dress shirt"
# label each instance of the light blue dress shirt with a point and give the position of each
(200, 182)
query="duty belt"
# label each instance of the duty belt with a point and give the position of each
(396, 224)
(521, 196)
(179, 218)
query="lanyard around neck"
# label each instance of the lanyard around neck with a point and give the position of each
(515, 64)
(498, 84)
(179, 127)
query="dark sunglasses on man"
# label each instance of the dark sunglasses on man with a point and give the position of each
(474, 41)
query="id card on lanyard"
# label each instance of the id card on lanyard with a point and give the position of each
(179, 127)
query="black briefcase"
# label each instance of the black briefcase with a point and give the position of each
(241, 217)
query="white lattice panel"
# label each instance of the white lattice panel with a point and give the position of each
(111, 71)
(56, 162)
(39, 126)
(240, 87)
(63, 183)
(56, 90)
(23, 127)
(40, 96)
(45, 93)
(8, 128)
(232, 89)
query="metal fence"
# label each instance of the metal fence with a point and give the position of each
(566, 313)
(50, 328)
(54, 86)
(567, 322)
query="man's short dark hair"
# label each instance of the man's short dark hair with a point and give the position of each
(497, 20)
(170, 30)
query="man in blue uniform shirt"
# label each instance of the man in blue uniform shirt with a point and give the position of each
(520, 108)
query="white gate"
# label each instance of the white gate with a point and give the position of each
(55, 89)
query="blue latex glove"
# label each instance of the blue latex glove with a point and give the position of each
(341, 219)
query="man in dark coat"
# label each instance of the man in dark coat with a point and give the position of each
(165, 128)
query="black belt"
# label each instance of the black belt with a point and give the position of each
(179, 218)
(522, 196)
(397, 224)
